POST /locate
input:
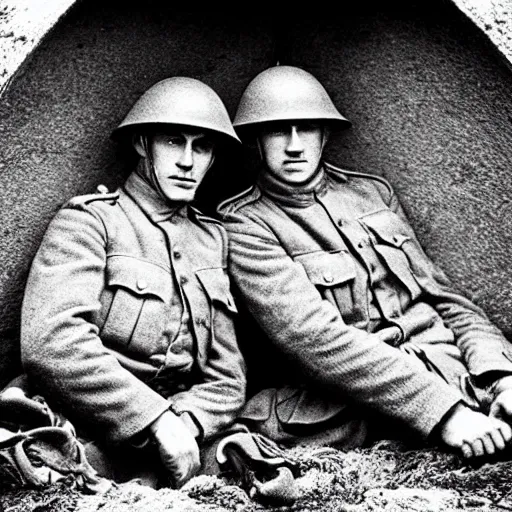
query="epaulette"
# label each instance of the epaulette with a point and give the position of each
(343, 173)
(102, 194)
(232, 203)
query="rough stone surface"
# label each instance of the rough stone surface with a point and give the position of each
(23, 25)
(494, 17)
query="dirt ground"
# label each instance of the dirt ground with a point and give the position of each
(387, 477)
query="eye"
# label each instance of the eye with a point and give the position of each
(277, 129)
(308, 127)
(174, 140)
(203, 145)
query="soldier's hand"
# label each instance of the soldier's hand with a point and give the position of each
(177, 446)
(474, 433)
(501, 406)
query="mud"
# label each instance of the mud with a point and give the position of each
(386, 478)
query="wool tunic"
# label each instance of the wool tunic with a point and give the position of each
(128, 312)
(336, 278)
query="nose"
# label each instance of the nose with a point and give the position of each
(186, 159)
(295, 145)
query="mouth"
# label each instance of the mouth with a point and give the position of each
(182, 178)
(184, 182)
(295, 161)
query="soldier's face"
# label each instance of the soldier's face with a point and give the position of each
(181, 158)
(292, 150)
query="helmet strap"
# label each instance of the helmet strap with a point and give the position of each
(149, 167)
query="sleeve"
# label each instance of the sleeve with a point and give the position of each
(220, 393)
(311, 333)
(60, 347)
(482, 344)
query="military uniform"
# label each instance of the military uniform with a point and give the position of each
(128, 313)
(333, 273)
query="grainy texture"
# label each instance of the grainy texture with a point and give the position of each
(385, 478)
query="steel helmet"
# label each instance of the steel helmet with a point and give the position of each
(179, 100)
(286, 92)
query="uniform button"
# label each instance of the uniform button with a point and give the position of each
(177, 254)
(360, 245)
(142, 284)
(183, 280)
(328, 278)
(340, 222)
(394, 314)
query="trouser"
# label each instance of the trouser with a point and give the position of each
(293, 416)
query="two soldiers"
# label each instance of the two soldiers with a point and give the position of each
(127, 320)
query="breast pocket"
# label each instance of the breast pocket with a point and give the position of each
(395, 244)
(221, 307)
(141, 294)
(215, 283)
(333, 274)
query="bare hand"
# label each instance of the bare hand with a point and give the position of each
(501, 406)
(177, 446)
(474, 433)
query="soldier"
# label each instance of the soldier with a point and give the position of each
(365, 326)
(127, 319)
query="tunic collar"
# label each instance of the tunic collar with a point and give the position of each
(150, 201)
(301, 195)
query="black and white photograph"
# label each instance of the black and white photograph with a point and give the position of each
(256, 257)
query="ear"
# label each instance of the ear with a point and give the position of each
(139, 145)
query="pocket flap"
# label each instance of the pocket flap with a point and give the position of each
(139, 276)
(328, 269)
(215, 282)
(388, 227)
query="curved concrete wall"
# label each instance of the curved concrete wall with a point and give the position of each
(429, 98)
(427, 93)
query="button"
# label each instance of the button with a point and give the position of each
(328, 278)
(183, 280)
(340, 222)
(394, 314)
(142, 284)
(360, 245)
(177, 254)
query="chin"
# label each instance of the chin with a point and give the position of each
(181, 197)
